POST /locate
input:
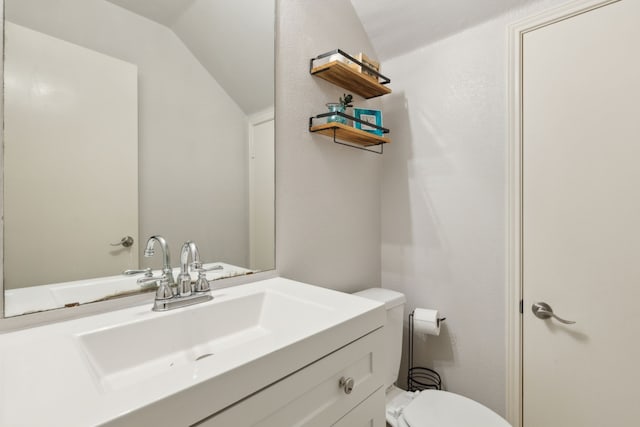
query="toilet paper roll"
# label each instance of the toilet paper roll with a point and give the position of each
(426, 321)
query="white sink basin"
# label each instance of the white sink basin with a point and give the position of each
(127, 354)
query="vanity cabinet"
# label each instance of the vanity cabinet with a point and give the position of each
(317, 394)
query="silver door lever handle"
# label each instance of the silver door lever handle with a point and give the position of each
(126, 241)
(542, 310)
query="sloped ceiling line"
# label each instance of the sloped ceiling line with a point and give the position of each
(232, 39)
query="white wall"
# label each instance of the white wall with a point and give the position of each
(443, 200)
(328, 196)
(192, 140)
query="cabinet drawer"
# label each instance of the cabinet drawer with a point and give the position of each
(313, 396)
(369, 413)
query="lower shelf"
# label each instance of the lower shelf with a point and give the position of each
(350, 136)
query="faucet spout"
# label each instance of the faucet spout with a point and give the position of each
(166, 257)
(189, 248)
(184, 278)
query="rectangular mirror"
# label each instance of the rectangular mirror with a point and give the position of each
(125, 119)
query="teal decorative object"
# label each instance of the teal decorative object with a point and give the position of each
(336, 107)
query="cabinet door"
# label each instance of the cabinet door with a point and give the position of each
(369, 413)
(313, 396)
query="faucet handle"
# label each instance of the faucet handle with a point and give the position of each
(148, 280)
(202, 284)
(164, 291)
(146, 271)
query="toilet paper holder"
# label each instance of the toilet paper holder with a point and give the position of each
(420, 378)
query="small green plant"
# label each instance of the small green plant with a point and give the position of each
(345, 100)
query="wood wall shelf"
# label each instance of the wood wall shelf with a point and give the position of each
(347, 77)
(360, 77)
(348, 135)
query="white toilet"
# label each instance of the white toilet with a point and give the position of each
(428, 408)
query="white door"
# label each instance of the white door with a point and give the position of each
(70, 161)
(581, 219)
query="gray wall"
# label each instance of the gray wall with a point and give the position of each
(328, 196)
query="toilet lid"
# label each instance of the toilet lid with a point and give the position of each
(433, 408)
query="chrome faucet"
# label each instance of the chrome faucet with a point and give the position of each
(166, 257)
(184, 295)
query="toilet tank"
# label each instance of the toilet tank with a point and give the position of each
(394, 304)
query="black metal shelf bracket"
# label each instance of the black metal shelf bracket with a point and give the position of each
(379, 77)
(381, 145)
(348, 117)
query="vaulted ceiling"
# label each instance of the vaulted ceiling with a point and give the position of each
(164, 12)
(221, 32)
(396, 27)
(232, 39)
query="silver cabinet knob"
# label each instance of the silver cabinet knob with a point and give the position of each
(542, 310)
(347, 384)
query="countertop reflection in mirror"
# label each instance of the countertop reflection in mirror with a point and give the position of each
(129, 118)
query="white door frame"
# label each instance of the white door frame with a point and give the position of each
(514, 193)
(254, 120)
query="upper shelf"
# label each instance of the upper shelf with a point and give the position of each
(349, 78)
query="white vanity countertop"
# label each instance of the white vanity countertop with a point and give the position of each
(48, 377)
